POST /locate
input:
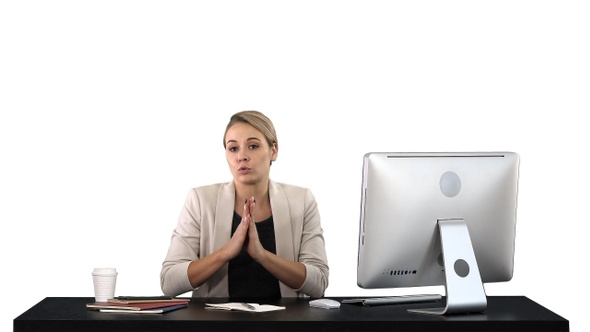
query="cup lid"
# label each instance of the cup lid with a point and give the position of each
(104, 270)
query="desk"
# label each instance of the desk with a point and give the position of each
(504, 313)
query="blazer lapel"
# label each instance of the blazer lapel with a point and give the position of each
(282, 221)
(224, 213)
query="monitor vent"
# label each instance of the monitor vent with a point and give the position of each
(400, 272)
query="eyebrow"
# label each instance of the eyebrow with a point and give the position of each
(249, 139)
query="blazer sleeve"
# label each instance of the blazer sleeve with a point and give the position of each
(184, 248)
(313, 250)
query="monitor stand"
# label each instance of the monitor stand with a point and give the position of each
(463, 284)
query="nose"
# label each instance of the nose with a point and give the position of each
(243, 157)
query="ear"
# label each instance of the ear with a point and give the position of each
(274, 151)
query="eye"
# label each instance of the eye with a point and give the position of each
(232, 149)
(253, 146)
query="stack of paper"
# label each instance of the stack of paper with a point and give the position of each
(139, 305)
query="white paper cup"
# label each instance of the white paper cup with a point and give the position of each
(104, 280)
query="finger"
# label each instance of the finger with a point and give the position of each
(253, 232)
(254, 246)
(246, 213)
(252, 208)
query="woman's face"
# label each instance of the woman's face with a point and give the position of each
(248, 154)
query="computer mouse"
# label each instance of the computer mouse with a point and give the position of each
(324, 303)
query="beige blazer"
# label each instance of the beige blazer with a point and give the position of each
(204, 226)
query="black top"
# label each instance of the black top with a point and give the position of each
(247, 278)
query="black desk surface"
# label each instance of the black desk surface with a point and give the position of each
(504, 313)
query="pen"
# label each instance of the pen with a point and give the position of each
(249, 306)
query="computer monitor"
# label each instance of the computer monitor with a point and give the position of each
(431, 219)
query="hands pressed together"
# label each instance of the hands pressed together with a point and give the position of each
(291, 273)
(246, 233)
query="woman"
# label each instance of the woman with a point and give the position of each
(251, 237)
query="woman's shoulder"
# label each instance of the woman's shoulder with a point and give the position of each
(212, 186)
(291, 189)
(210, 189)
(287, 185)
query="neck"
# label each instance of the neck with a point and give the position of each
(261, 194)
(246, 191)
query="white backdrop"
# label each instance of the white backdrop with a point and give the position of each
(112, 110)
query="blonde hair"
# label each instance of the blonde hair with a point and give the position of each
(257, 120)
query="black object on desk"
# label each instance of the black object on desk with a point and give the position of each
(504, 313)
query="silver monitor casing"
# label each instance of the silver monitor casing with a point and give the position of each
(405, 194)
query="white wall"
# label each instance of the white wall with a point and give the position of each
(112, 110)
